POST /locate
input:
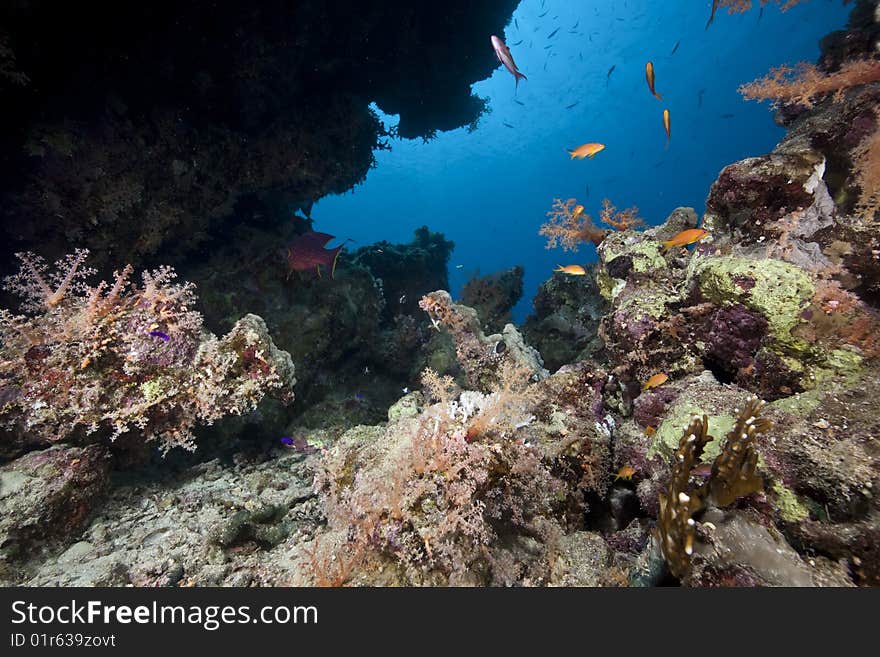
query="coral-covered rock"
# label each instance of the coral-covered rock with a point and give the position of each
(357, 338)
(738, 551)
(444, 493)
(758, 198)
(582, 559)
(48, 495)
(564, 326)
(825, 469)
(406, 272)
(483, 358)
(125, 358)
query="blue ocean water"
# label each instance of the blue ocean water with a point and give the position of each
(489, 189)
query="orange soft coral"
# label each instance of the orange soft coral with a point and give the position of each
(620, 219)
(569, 226)
(866, 158)
(740, 6)
(804, 83)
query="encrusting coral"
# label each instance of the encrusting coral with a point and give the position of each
(124, 357)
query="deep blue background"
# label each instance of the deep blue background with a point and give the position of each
(489, 190)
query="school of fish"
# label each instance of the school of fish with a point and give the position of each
(590, 149)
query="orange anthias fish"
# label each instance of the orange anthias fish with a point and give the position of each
(586, 150)
(577, 212)
(686, 237)
(667, 125)
(649, 75)
(626, 472)
(502, 52)
(574, 270)
(658, 379)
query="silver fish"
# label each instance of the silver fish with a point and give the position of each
(502, 52)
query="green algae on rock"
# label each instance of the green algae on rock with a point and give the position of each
(778, 290)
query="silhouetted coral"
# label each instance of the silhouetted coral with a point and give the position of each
(494, 296)
(565, 322)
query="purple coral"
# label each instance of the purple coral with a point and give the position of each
(735, 335)
(650, 406)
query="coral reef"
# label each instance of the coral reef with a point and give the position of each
(165, 151)
(484, 359)
(356, 339)
(695, 413)
(466, 487)
(405, 272)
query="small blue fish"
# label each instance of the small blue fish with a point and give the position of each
(359, 395)
(159, 334)
(299, 444)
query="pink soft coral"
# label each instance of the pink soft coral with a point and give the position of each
(124, 357)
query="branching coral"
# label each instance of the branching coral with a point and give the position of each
(124, 357)
(733, 475)
(620, 219)
(40, 289)
(568, 226)
(804, 83)
(675, 524)
(439, 388)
